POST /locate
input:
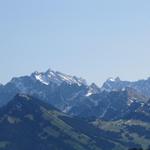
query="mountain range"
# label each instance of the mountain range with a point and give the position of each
(61, 108)
(141, 86)
(73, 95)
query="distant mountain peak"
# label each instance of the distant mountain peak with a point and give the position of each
(93, 89)
(94, 86)
(141, 86)
(111, 79)
(49, 70)
(57, 78)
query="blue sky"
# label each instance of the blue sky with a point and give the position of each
(93, 39)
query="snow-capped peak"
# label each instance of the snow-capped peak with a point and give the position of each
(57, 78)
(112, 84)
(93, 89)
(110, 79)
(113, 79)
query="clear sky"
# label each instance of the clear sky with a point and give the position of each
(94, 39)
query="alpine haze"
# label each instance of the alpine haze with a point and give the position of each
(98, 96)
